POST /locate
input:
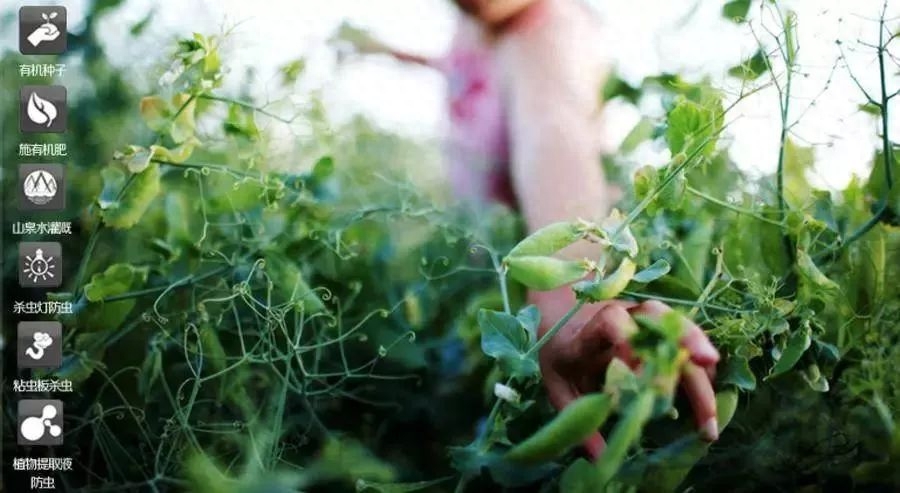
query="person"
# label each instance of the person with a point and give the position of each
(524, 83)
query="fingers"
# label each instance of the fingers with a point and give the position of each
(699, 390)
(606, 336)
(594, 445)
(560, 392)
(694, 339)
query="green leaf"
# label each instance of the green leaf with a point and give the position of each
(530, 318)
(184, 125)
(659, 268)
(695, 251)
(241, 122)
(323, 168)
(618, 234)
(738, 373)
(798, 161)
(347, 459)
(151, 370)
(505, 339)
(206, 476)
(547, 240)
(692, 123)
(751, 68)
(646, 181)
(736, 10)
(814, 378)
(292, 70)
(797, 344)
(117, 279)
(571, 426)
(289, 283)
(671, 197)
(154, 111)
(137, 159)
(125, 211)
(872, 109)
(580, 477)
(641, 133)
(544, 273)
(665, 468)
(113, 180)
(814, 281)
(876, 185)
(470, 460)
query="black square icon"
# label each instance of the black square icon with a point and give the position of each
(42, 30)
(42, 109)
(39, 345)
(40, 264)
(40, 422)
(42, 187)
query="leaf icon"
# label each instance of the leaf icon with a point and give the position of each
(41, 111)
(44, 16)
(53, 15)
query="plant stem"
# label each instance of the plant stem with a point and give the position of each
(556, 328)
(732, 207)
(785, 103)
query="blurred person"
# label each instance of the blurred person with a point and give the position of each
(524, 79)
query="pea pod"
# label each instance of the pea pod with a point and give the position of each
(796, 345)
(547, 240)
(810, 272)
(669, 465)
(570, 427)
(624, 435)
(544, 273)
(726, 405)
(609, 287)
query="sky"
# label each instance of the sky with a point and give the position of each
(644, 37)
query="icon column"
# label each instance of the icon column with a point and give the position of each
(41, 199)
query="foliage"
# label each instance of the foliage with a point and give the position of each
(249, 326)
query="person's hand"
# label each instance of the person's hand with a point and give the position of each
(44, 32)
(575, 359)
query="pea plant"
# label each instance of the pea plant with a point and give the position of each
(328, 321)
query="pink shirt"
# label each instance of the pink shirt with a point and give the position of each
(478, 144)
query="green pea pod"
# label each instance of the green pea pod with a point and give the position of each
(810, 272)
(797, 344)
(669, 465)
(624, 435)
(544, 273)
(609, 287)
(547, 240)
(726, 405)
(570, 427)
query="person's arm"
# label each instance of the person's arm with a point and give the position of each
(554, 76)
(364, 43)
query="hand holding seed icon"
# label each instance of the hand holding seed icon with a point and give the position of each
(45, 32)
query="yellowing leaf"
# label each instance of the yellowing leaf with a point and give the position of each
(125, 211)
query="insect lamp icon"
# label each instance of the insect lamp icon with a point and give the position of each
(40, 265)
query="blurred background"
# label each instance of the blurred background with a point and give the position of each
(645, 38)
